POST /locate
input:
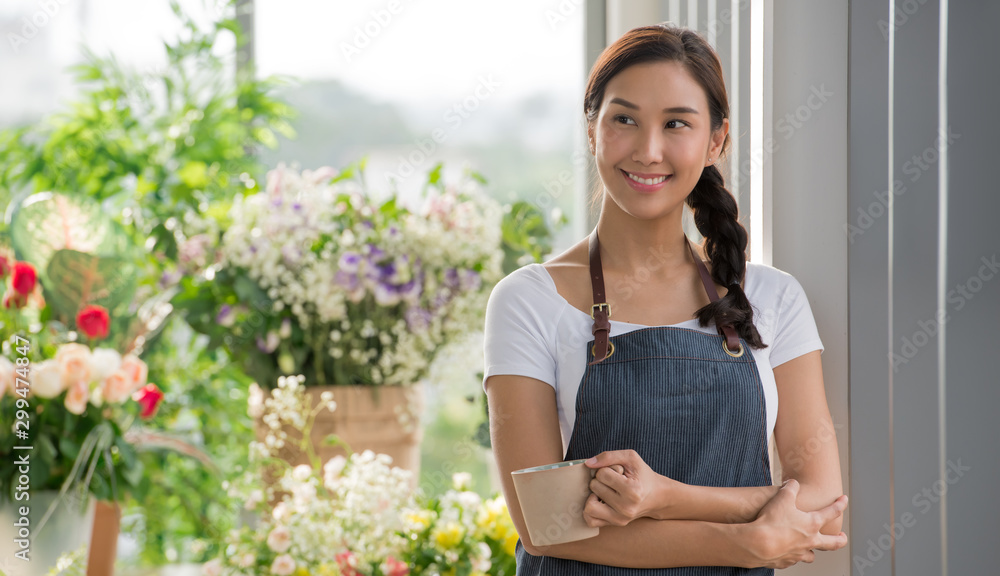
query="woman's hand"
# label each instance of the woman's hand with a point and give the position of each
(623, 489)
(788, 535)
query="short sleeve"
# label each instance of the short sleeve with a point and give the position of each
(519, 329)
(795, 331)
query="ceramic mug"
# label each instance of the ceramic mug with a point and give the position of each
(552, 498)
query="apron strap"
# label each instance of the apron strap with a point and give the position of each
(601, 310)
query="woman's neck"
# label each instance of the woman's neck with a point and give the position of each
(630, 245)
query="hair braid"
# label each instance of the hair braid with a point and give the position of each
(715, 215)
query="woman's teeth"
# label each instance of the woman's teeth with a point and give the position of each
(647, 181)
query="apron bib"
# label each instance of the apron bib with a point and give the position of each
(682, 399)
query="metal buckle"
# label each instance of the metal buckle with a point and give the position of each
(596, 307)
(733, 354)
(611, 350)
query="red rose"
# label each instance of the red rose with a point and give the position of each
(12, 299)
(24, 278)
(93, 320)
(149, 398)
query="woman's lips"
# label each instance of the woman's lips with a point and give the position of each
(641, 187)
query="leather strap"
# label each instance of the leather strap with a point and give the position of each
(601, 311)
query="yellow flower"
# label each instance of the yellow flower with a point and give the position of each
(328, 570)
(419, 521)
(448, 536)
(302, 571)
(510, 543)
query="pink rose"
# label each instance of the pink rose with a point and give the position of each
(283, 565)
(393, 567)
(76, 397)
(280, 539)
(117, 387)
(135, 370)
(74, 363)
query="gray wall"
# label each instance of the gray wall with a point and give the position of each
(923, 377)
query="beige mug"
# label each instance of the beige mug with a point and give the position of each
(552, 498)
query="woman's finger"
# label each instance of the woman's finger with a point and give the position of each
(602, 490)
(834, 510)
(611, 479)
(830, 543)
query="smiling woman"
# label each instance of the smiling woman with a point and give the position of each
(673, 402)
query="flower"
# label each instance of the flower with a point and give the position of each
(212, 568)
(393, 567)
(331, 471)
(347, 562)
(448, 536)
(461, 480)
(24, 278)
(46, 380)
(283, 565)
(77, 397)
(149, 397)
(117, 388)
(279, 539)
(103, 363)
(12, 299)
(74, 362)
(93, 320)
(135, 370)
(7, 381)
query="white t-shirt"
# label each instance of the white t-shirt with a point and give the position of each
(533, 331)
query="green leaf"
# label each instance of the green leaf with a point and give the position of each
(88, 279)
(194, 175)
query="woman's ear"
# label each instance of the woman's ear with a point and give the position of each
(718, 139)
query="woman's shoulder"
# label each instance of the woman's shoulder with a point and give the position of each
(771, 288)
(530, 284)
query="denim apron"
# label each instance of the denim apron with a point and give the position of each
(692, 409)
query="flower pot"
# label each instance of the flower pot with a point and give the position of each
(104, 542)
(65, 531)
(383, 419)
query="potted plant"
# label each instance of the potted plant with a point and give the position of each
(316, 276)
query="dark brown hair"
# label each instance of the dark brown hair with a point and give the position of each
(715, 209)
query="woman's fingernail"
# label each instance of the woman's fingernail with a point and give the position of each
(591, 462)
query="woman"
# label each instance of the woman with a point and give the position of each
(674, 400)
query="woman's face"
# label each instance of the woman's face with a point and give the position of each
(653, 125)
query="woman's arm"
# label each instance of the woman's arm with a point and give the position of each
(804, 434)
(634, 490)
(525, 432)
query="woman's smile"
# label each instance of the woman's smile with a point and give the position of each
(643, 182)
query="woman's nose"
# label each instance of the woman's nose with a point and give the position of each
(648, 147)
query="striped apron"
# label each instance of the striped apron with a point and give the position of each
(691, 409)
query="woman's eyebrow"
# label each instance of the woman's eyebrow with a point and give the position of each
(674, 110)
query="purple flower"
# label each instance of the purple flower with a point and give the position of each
(386, 294)
(225, 317)
(471, 280)
(270, 344)
(417, 319)
(451, 278)
(349, 262)
(276, 202)
(387, 271)
(410, 291)
(347, 280)
(296, 207)
(375, 253)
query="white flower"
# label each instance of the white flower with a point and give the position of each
(255, 401)
(246, 560)
(7, 381)
(461, 480)
(279, 539)
(46, 379)
(283, 565)
(103, 363)
(332, 470)
(212, 568)
(302, 472)
(280, 512)
(481, 561)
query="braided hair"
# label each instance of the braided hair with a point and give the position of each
(715, 209)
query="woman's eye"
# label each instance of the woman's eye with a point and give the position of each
(622, 119)
(669, 122)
